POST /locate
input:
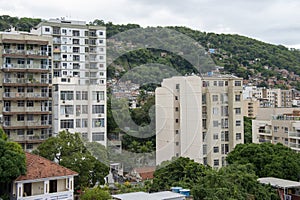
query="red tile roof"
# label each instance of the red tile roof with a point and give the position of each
(145, 172)
(39, 167)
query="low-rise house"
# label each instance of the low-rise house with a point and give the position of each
(44, 180)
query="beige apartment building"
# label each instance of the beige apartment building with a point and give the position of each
(278, 126)
(199, 117)
(26, 87)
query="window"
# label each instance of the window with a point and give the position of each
(224, 123)
(98, 122)
(215, 111)
(221, 83)
(237, 83)
(101, 41)
(30, 104)
(76, 58)
(67, 123)
(238, 122)
(176, 98)
(276, 129)
(286, 129)
(21, 89)
(177, 132)
(177, 143)
(66, 110)
(238, 136)
(177, 86)
(84, 123)
(176, 120)
(224, 148)
(85, 95)
(176, 109)
(238, 111)
(97, 109)
(224, 98)
(78, 123)
(20, 117)
(78, 95)
(215, 97)
(29, 117)
(84, 109)
(203, 98)
(20, 132)
(21, 103)
(98, 136)
(98, 95)
(216, 162)
(204, 136)
(66, 95)
(64, 31)
(215, 123)
(29, 146)
(47, 29)
(225, 136)
(204, 149)
(30, 132)
(237, 97)
(76, 33)
(224, 111)
(29, 89)
(216, 149)
(216, 136)
(215, 83)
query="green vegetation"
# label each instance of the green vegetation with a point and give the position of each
(231, 182)
(69, 151)
(269, 160)
(12, 162)
(95, 194)
(247, 130)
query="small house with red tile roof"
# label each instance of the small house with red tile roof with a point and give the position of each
(143, 173)
(44, 180)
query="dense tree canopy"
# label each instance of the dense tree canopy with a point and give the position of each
(69, 151)
(95, 194)
(12, 159)
(268, 160)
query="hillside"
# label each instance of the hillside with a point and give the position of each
(245, 57)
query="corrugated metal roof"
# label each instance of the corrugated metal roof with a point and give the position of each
(277, 182)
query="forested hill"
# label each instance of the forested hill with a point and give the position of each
(240, 55)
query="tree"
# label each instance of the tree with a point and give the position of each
(12, 162)
(95, 194)
(178, 172)
(98, 151)
(247, 130)
(69, 151)
(268, 160)
(232, 182)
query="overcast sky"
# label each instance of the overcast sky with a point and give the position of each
(274, 21)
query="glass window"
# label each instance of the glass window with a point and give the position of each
(97, 109)
(237, 97)
(216, 136)
(238, 136)
(238, 122)
(29, 117)
(98, 136)
(66, 95)
(84, 109)
(78, 123)
(84, 123)
(98, 122)
(20, 117)
(98, 95)
(78, 95)
(216, 149)
(67, 123)
(85, 95)
(216, 162)
(215, 97)
(215, 123)
(237, 83)
(238, 111)
(30, 103)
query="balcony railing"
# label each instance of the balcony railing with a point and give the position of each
(58, 195)
(25, 52)
(25, 95)
(26, 109)
(294, 145)
(23, 66)
(28, 137)
(294, 134)
(26, 80)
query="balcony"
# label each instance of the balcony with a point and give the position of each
(24, 53)
(264, 132)
(28, 138)
(27, 96)
(25, 68)
(295, 135)
(52, 196)
(26, 81)
(11, 110)
(294, 146)
(26, 125)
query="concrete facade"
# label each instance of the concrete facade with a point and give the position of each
(199, 118)
(26, 95)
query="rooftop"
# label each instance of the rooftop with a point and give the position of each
(38, 167)
(279, 183)
(165, 195)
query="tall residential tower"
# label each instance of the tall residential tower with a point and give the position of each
(199, 118)
(79, 77)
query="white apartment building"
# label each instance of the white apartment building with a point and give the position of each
(278, 126)
(79, 77)
(199, 118)
(269, 98)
